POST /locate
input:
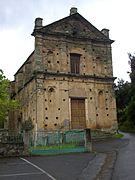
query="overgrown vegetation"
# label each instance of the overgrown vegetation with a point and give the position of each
(6, 103)
(118, 135)
(27, 125)
(54, 147)
(125, 98)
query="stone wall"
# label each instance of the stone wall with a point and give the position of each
(12, 144)
(11, 150)
(98, 135)
(45, 84)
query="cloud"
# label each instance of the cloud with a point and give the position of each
(14, 12)
(17, 23)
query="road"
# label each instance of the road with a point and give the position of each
(60, 167)
(112, 159)
(125, 163)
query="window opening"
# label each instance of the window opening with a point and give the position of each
(75, 63)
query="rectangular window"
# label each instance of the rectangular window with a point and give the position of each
(75, 63)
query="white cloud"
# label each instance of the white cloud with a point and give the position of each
(17, 22)
(15, 49)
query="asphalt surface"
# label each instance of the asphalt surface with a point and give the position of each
(125, 163)
(62, 167)
(112, 159)
(110, 148)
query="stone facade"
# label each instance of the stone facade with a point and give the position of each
(67, 81)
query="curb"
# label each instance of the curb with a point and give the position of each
(93, 168)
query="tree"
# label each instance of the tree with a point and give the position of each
(131, 105)
(132, 66)
(6, 103)
(131, 112)
(125, 98)
(122, 91)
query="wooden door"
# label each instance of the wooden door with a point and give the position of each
(78, 120)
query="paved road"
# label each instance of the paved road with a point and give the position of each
(114, 160)
(61, 167)
(125, 163)
(110, 148)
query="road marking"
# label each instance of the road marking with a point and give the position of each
(43, 171)
(20, 174)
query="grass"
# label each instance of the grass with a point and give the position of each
(48, 147)
(118, 135)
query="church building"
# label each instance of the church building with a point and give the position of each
(67, 81)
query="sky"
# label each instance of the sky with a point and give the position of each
(17, 22)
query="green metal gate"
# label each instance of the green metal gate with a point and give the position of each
(57, 142)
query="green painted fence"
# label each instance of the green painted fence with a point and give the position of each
(58, 142)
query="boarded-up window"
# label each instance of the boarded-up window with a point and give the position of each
(78, 120)
(75, 63)
(101, 102)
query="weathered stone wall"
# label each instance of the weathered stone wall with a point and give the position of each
(11, 144)
(12, 150)
(24, 74)
(46, 99)
(54, 103)
(95, 58)
(100, 101)
(98, 135)
(27, 97)
(45, 85)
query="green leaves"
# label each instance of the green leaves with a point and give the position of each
(132, 66)
(6, 103)
(125, 98)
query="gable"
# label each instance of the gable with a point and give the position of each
(74, 26)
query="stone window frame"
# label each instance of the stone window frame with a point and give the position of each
(75, 63)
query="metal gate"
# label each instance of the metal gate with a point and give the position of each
(57, 142)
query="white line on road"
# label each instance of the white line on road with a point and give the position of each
(43, 171)
(20, 174)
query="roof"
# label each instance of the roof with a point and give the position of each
(27, 61)
(74, 25)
